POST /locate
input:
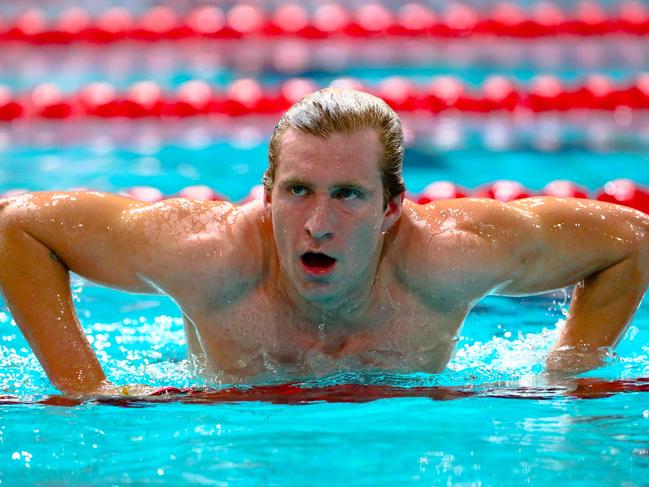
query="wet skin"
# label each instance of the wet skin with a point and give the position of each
(321, 276)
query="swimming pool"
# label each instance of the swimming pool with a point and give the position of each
(490, 419)
(501, 423)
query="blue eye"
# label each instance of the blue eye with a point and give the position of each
(347, 194)
(297, 190)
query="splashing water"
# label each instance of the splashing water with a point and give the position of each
(147, 345)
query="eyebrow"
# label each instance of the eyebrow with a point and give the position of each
(337, 185)
(290, 181)
(349, 184)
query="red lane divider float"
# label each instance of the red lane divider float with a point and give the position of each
(249, 97)
(620, 191)
(162, 23)
(297, 394)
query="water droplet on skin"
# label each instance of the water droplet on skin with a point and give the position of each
(321, 331)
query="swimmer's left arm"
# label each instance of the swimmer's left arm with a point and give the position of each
(600, 248)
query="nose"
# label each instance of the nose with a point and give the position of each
(319, 223)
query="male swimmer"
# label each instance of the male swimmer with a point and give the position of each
(332, 271)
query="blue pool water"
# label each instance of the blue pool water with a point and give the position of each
(516, 429)
(232, 169)
(492, 419)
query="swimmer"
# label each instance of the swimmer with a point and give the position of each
(332, 271)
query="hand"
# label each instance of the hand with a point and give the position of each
(109, 389)
(570, 361)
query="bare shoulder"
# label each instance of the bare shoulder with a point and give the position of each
(470, 247)
(442, 246)
(170, 246)
(178, 219)
(202, 244)
(443, 225)
(470, 224)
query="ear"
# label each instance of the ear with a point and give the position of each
(392, 212)
(267, 199)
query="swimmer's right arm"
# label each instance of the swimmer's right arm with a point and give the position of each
(44, 236)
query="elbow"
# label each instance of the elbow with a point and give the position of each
(5, 214)
(14, 209)
(638, 238)
(643, 256)
(4, 204)
(14, 218)
(643, 242)
(640, 255)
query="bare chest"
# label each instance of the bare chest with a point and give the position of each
(261, 338)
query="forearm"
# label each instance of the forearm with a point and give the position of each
(601, 308)
(36, 288)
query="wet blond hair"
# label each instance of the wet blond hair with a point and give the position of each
(336, 110)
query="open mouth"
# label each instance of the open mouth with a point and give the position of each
(318, 263)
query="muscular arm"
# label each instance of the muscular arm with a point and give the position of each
(539, 244)
(603, 250)
(112, 240)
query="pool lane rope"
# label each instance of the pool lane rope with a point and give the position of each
(328, 21)
(620, 191)
(247, 96)
(297, 393)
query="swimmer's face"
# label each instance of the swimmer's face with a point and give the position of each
(328, 212)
